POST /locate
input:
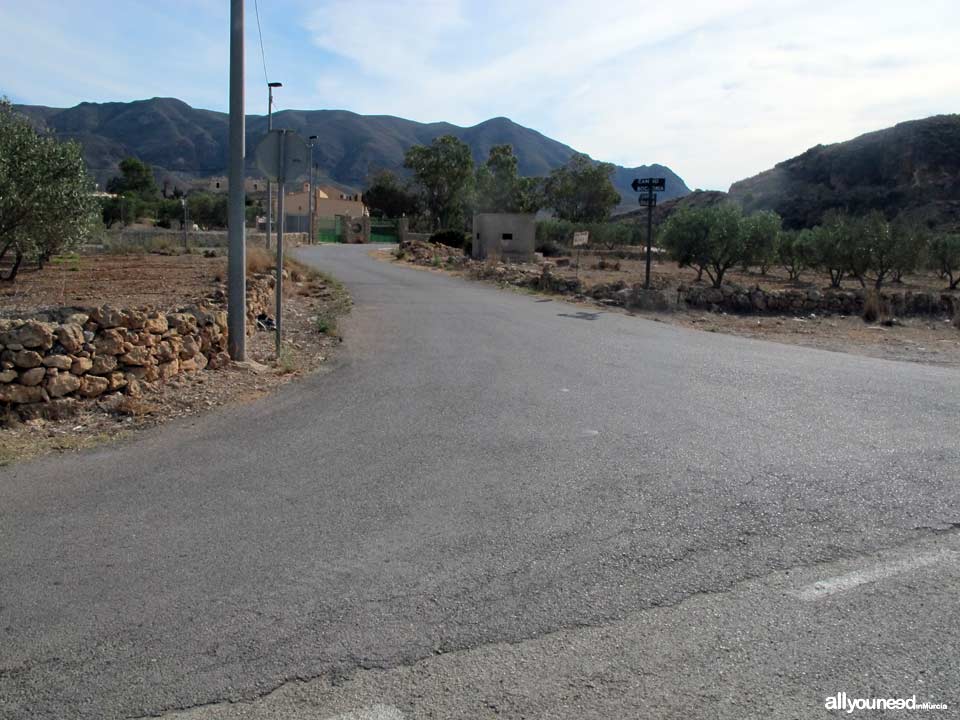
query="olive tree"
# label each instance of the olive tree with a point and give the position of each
(796, 251)
(46, 197)
(712, 239)
(945, 257)
(761, 237)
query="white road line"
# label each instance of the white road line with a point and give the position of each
(374, 712)
(881, 571)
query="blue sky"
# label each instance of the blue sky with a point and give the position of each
(718, 90)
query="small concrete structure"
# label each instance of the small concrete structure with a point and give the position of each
(504, 236)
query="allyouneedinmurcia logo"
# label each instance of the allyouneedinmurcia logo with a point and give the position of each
(843, 702)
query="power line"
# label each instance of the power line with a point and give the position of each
(263, 56)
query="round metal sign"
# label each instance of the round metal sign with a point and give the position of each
(282, 155)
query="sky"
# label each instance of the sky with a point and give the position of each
(717, 90)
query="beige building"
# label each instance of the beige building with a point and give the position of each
(330, 202)
(219, 184)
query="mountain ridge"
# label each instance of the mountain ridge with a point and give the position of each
(184, 143)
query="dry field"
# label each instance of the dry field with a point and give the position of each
(312, 305)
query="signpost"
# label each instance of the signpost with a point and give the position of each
(280, 155)
(648, 187)
(580, 239)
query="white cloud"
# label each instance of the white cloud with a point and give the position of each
(716, 90)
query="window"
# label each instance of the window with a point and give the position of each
(507, 236)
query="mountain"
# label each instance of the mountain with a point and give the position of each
(184, 143)
(913, 167)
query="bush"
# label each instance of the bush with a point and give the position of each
(450, 238)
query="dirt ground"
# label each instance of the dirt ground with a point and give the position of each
(926, 340)
(313, 303)
(163, 281)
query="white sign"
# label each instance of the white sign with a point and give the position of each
(284, 144)
(581, 238)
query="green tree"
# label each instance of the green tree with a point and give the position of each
(797, 251)
(726, 243)
(686, 236)
(834, 242)
(46, 198)
(444, 172)
(761, 238)
(875, 249)
(945, 257)
(387, 197)
(581, 190)
(499, 187)
(135, 178)
(910, 245)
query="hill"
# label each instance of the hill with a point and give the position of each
(913, 167)
(183, 143)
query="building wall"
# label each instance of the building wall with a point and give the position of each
(510, 236)
(297, 203)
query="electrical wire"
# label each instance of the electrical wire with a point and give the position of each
(263, 55)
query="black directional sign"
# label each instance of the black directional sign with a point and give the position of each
(648, 188)
(647, 183)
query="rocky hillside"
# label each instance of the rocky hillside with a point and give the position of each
(182, 142)
(913, 167)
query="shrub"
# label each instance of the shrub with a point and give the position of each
(259, 260)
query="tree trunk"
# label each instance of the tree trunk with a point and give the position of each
(12, 275)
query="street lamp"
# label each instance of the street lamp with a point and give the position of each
(270, 87)
(311, 203)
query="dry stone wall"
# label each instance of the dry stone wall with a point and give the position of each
(73, 354)
(737, 299)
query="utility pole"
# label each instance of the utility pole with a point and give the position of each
(270, 87)
(310, 201)
(236, 225)
(278, 320)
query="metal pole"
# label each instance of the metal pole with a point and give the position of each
(236, 226)
(269, 188)
(183, 201)
(646, 282)
(279, 283)
(310, 199)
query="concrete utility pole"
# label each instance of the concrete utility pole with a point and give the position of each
(310, 201)
(237, 235)
(278, 320)
(270, 87)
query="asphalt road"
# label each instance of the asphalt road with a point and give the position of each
(496, 505)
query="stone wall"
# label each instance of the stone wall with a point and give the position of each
(737, 299)
(547, 276)
(71, 353)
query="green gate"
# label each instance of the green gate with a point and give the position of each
(328, 230)
(383, 230)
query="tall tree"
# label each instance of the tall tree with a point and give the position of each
(386, 197)
(499, 187)
(46, 197)
(582, 190)
(136, 177)
(444, 172)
